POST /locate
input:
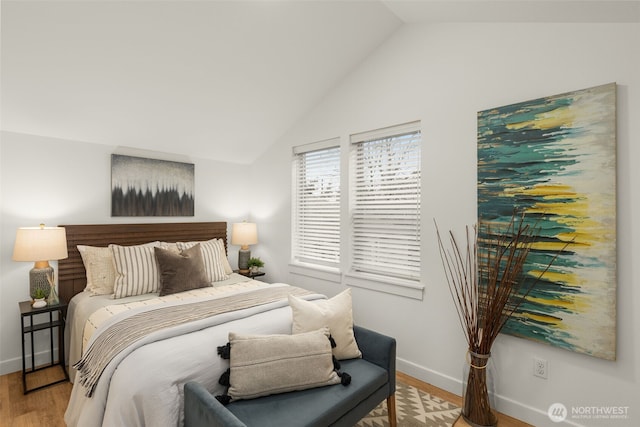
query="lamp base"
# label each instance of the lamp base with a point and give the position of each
(243, 260)
(38, 280)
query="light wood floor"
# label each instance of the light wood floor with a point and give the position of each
(43, 407)
(46, 407)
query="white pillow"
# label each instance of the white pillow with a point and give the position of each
(335, 313)
(173, 247)
(214, 257)
(136, 270)
(261, 365)
(98, 263)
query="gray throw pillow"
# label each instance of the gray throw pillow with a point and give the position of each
(181, 272)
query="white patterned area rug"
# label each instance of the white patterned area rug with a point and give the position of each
(414, 408)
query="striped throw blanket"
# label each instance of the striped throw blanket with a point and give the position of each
(128, 331)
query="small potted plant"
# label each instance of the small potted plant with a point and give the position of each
(255, 264)
(38, 298)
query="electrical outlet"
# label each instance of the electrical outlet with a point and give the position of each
(540, 367)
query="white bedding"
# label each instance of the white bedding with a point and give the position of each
(87, 312)
(146, 386)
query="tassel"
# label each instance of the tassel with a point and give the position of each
(224, 399)
(224, 351)
(333, 342)
(336, 364)
(345, 378)
(225, 378)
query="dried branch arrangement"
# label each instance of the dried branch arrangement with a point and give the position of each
(487, 287)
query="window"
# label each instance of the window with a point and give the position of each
(316, 228)
(385, 202)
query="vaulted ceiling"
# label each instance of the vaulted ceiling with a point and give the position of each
(211, 79)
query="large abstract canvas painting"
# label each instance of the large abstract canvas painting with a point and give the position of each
(150, 187)
(554, 159)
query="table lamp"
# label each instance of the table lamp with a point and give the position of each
(40, 245)
(244, 234)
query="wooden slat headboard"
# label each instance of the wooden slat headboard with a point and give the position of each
(72, 277)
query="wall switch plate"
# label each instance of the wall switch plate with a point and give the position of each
(540, 367)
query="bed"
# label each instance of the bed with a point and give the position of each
(142, 382)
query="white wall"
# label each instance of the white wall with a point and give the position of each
(68, 182)
(443, 75)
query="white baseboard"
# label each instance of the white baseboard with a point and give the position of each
(14, 365)
(445, 382)
(11, 365)
(534, 416)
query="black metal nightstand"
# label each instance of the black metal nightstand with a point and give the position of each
(27, 311)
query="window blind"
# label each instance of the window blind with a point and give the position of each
(316, 234)
(385, 202)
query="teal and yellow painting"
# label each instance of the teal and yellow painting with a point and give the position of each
(554, 159)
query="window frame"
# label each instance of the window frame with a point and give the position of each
(342, 274)
(409, 284)
(300, 259)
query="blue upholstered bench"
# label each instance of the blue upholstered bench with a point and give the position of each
(373, 379)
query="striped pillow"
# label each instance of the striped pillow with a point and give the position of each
(225, 258)
(214, 255)
(136, 270)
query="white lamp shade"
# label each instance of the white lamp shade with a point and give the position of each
(244, 234)
(40, 244)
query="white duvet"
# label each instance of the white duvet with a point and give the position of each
(144, 387)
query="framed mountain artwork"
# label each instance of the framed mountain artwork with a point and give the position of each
(149, 187)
